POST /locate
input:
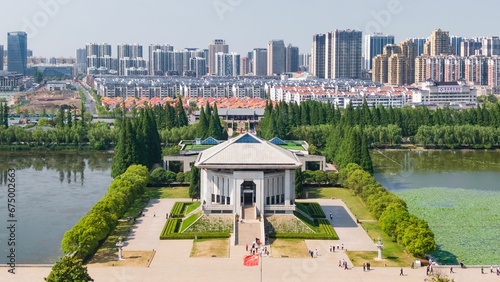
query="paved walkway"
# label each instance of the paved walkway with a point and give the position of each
(172, 261)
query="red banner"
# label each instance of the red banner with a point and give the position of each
(251, 260)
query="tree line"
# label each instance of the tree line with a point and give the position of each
(280, 119)
(413, 233)
(83, 239)
(138, 142)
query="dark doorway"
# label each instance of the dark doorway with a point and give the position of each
(248, 193)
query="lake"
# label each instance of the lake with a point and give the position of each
(53, 191)
(457, 192)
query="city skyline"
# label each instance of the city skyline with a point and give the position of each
(59, 27)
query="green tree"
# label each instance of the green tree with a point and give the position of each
(158, 176)
(182, 119)
(194, 185)
(69, 269)
(299, 188)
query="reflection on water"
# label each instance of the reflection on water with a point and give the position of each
(53, 191)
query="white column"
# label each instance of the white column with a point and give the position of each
(237, 194)
(287, 187)
(259, 190)
(204, 186)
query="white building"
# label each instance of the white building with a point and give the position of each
(247, 172)
(446, 93)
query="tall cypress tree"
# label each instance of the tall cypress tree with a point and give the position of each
(152, 139)
(218, 129)
(365, 159)
(203, 125)
(180, 112)
(194, 185)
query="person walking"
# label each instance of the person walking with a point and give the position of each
(401, 272)
(364, 266)
(451, 270)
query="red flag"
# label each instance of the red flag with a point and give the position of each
(251, 260)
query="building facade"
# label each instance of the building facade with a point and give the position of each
(343, 54)
(17, 52)
(218, 46)
(259, 61)
(374, 45)
(276, 57)
(247, 172)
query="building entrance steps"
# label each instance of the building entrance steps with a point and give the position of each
(248, 230)
(248, 213)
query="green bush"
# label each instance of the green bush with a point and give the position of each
(306, 236)
(312, 209)
(327, 228)
(178, 209)
(201, 235)
(171, 226)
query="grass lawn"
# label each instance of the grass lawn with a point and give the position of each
(293, 248)
(204, 248)
(172, 192)
(293, 146)
(354, 203)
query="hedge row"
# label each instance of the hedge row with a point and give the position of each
(178, 209)
(313, 209)
(306, 236)
(192, 235)
(410, 231)
(316, 210)
(326, 227)
(85, 236)
(171, 226)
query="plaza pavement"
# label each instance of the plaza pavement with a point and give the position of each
(172, 262)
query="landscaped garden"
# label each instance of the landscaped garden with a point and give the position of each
(196, 225)
(299, 226)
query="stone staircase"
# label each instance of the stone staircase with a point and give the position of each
(248, 213)
(248, 230)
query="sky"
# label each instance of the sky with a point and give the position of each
(59, 27)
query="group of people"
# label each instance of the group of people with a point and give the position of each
(339, 247)
(256, 245)
(311, 253)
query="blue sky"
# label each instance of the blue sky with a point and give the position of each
(58, 27)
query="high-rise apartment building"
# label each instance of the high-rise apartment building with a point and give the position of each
(409, 52)
(470, 47)
(157, 64)
(454, 68)
(318, 55)
(1, 57)
(374, 45)
(491, 46)
(476, 70)
(227, 64)
(380, 64)
(218, 46)
(494, 72)
(130, 56)
(420, 68)
(99, 58)
(343, 54)
(439, 43)
(455, 45)
(305, 62)
(419, 45)
(291, 58)
(245, 66)
(259, 61)
(17, 52)
(81, 60)
(198, 66)
(276, 57)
